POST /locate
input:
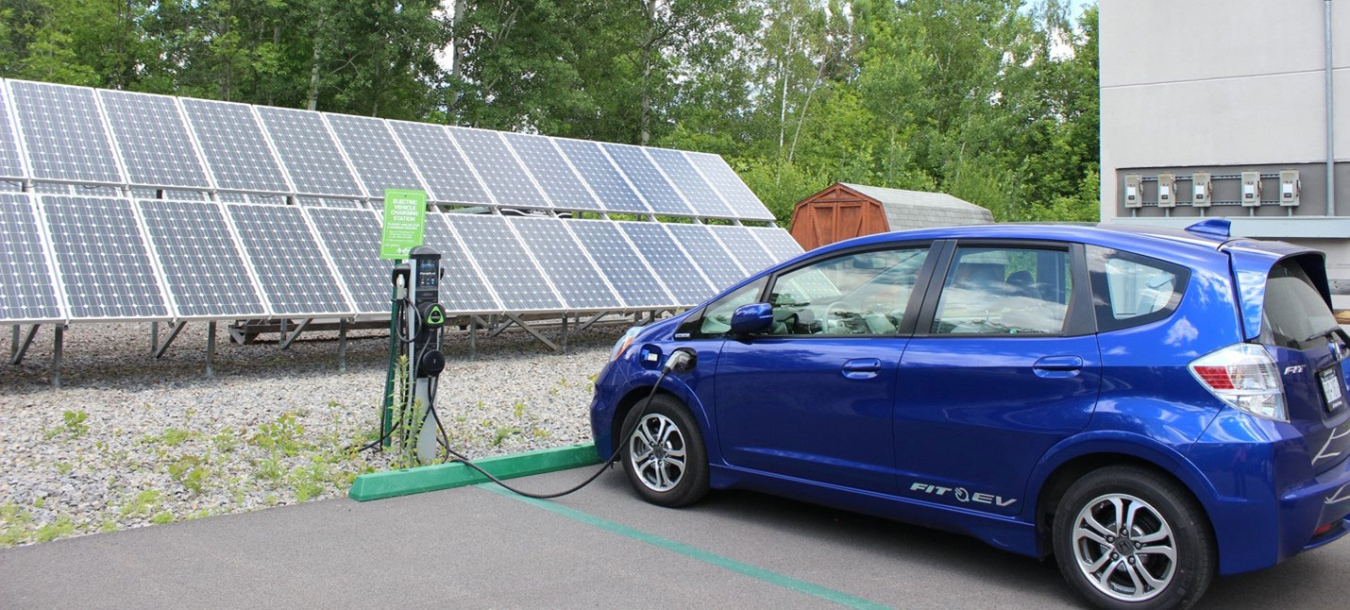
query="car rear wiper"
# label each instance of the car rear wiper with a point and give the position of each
(1334, 330)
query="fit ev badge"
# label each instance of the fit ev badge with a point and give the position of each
(963, 495)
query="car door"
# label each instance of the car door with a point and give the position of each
(1003, 364)
(813, 399)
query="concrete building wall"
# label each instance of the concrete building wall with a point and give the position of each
(1226, 86)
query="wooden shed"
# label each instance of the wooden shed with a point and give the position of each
(844, 211)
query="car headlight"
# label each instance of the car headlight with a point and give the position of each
(624, 341)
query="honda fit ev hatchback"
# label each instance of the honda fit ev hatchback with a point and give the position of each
(1150, 407)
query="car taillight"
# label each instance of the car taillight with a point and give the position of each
(1244, 376)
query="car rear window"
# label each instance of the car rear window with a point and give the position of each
(1295, 314)
(1130, 289)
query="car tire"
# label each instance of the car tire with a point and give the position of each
(654, 473)
(1167, 557)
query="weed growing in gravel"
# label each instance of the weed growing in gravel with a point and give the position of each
(309, 481)
(225, 441)
(144, 503)
(74, 422)
(271, 469)
(64, 468)
(519, 409)
(503, 433)
(162, 517)
(61, 528)
(190, 472)
(282, 435)
(14, 524)
(172, 437)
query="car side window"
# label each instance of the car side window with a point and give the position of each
(863, 293)
(1005, 291)
(717, 316)
(1130, 289)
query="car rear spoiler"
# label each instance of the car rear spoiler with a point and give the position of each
(1251, 261)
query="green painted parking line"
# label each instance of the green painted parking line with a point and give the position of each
(755, 572)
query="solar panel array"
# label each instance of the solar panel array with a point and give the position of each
(60, 133)
(152, 207)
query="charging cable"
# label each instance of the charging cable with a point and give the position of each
(680, 360)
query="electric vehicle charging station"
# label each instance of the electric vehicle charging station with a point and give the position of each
(417, 317)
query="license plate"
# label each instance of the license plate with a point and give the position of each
(1331, 388)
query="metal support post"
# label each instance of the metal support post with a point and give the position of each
(58, 346)
(473, 338)
(154, 336)
(158, 352)
(534, 333)
(587, 324)
(342, 346)
(563, 339)
(210, 348)
(21, 347)
(296, 333)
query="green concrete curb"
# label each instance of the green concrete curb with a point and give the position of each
(393, 483)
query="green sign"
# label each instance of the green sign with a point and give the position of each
(404, 218)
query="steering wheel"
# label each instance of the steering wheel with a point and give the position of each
(842, 323)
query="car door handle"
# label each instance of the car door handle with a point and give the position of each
(862, 368)
(1058, 366)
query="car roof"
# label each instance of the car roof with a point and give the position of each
(1113, 235)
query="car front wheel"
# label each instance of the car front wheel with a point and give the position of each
(664, 456)
(1126, 537)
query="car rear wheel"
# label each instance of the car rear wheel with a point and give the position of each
(664, 456)
(1126, 537)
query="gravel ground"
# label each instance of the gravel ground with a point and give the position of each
(130, 441)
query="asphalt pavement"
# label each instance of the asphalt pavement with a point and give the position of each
(474, 547)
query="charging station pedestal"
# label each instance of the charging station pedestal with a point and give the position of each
(422, 320)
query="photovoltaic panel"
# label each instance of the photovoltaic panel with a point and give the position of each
(742, 200)
(752, 256)
(620, 263)
(27, 286)
(374, 153)
(565, 263)
(505, 263)
(152, 140)
(696, 190)
(660, 196)
(551, 171)
(676, 271)
(462, 288)
(445, 172)
(606, 181)
(102, 259)
(309, 202)
(63, 133)
(719, 266)
(310, 156)
(778, 242)
(295, 278)
(504, 177)
(235, 148)
(52, 188)
(10, 164)
(352, 239)
(203, 268)
(350, 204)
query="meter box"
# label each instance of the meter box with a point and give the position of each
(1251, 189)
(1290, 185)
(1134, 191)
(1167, 191)
(1202, 190)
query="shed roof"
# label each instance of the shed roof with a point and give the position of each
(918, 209)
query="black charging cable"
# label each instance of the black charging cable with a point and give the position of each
(679, 359)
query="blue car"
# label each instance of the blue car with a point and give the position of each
(1150, 407)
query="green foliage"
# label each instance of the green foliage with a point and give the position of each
(61, 528)
(191, 472)
(995, 101)
(74, 423)
(281, 436)
(162, 517)
(143, 503)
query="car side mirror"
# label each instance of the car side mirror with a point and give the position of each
(752, 319)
